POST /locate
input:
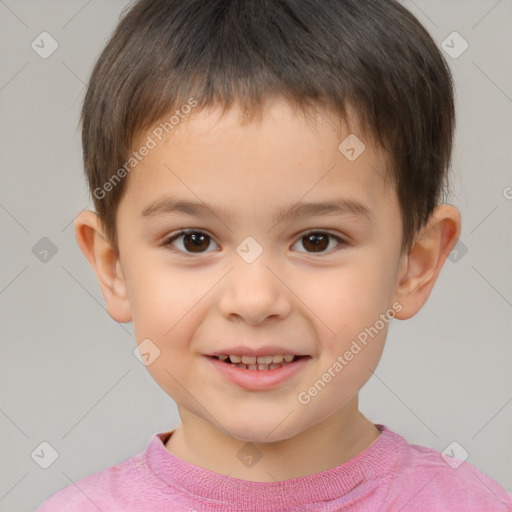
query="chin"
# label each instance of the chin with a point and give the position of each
(262, 431)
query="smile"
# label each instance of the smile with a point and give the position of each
(258, 376)
(258, 363)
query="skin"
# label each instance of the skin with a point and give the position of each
(315, 303)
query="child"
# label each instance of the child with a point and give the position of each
(267, 178)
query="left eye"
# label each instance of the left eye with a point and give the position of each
(192, 240)
(318, 241)
(195, 242)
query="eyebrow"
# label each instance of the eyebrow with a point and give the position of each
(337, 206)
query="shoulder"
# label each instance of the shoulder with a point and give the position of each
(423, 479)
(99, 490)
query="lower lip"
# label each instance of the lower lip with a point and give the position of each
(259, 379)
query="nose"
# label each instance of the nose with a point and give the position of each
(254, 292)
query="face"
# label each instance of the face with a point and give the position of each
(318, 283)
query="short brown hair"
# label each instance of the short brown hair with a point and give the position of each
(371, 55)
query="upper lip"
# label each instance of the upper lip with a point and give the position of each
(267, 350)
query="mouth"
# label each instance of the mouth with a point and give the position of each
(259, 373)
(260, 363)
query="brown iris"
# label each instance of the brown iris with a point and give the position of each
(198, 241)
(319, 242)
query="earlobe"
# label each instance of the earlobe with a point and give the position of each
(100, 254)
(426, 258)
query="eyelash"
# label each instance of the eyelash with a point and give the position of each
(168, 242)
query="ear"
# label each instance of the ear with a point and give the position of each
(421, 267)
(97, 249)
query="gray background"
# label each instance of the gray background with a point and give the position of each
(68, 375)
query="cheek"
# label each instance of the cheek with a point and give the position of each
(349, 303)
(160, 296)
(350, 298)
(167, 306)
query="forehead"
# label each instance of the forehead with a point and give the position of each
(226, 159)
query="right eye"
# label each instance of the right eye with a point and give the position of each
(191, 240)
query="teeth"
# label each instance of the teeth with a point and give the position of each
(258, 366)
(260, 362)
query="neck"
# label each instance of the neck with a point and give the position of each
(323, 446)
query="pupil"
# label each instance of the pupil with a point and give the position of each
(318, 241)
(197, 241)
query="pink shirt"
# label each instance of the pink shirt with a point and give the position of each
(390, 475)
